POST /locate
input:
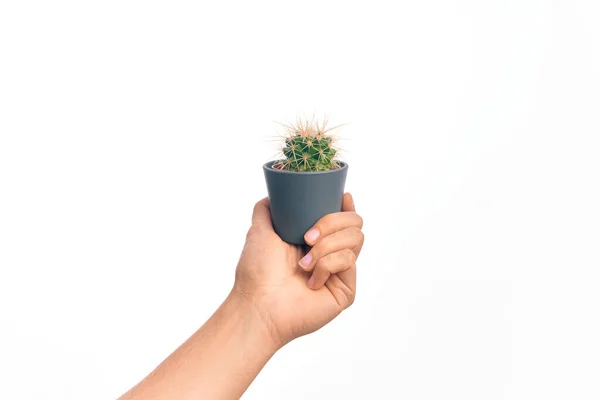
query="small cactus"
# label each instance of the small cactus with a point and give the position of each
(309, 147)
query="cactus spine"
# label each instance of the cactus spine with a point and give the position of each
(309, 147)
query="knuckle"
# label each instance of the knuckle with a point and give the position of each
(360, 221)
(255, 232)
(324, 263)
(356, 232)
(252, 233)
(350, 257)
(351, 297)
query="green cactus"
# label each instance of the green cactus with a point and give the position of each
(309, 147)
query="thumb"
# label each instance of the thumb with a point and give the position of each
(261, 216)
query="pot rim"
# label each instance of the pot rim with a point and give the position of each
(268, 167)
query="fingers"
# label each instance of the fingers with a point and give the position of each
(349, 238)
(334, 222)
(332, 263)
(261, 217)
(336, 241)
(321, 260)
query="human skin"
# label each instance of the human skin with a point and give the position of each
(281, 292)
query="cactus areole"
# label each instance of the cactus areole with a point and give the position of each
(307, 182)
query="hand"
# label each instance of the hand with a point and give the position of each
(281, 292)
(295, 292)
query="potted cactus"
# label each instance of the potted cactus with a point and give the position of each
(307, 181)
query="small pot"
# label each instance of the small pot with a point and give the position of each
(299, 199)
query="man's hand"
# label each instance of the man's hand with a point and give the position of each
(294, 291)
(280, 292)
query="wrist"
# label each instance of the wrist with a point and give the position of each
(257, 324)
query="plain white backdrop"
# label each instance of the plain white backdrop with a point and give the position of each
(132, 136)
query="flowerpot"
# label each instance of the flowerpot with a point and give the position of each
(299, 199)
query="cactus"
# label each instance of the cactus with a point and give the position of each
(309, 147)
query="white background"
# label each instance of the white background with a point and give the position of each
(132, 135)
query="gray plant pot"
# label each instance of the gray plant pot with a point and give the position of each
(299, 199)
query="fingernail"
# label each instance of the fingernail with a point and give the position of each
(312, 235)
(311, 282)
(306, 260)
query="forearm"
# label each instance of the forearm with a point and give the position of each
(219, 361)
